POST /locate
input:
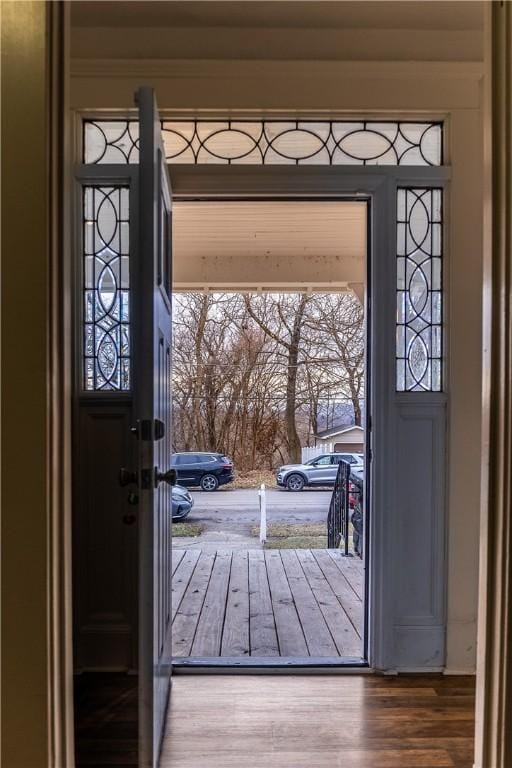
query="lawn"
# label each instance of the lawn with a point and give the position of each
(289, 536)
(187, 529)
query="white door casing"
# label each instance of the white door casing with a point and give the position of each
(407, 562)
(407, 517)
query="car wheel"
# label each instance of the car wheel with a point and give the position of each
(295, 483)
(209, 483)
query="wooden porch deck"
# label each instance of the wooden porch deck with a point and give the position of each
(267, 603)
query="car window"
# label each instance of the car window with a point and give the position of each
(344, 457)
(190, 458)
(201, 458)
(181, 459)
(187, 458)
(321, 460)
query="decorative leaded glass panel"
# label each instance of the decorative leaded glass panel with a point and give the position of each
(272, 142)
(419, 290)
(106, 288)
(111, 141)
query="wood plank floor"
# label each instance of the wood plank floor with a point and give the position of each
(320, 722)
(267, 603)
(106, 720)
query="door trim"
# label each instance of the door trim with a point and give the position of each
(61, 552)
(378, 185)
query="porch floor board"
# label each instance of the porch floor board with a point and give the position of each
(267, 603)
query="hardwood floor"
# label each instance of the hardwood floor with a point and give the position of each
(288, 603)
(106, 720)
(272, 603)
(228, 721)
(320, 722)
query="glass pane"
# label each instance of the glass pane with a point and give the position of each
(106, 288)
(271, 142)
(419, 290)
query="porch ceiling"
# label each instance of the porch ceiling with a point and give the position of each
(267, 245)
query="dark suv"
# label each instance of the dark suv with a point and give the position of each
(206, 470)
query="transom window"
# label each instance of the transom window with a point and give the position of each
(272, 142)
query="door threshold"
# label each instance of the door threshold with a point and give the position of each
(276, 664)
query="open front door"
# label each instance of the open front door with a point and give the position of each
(152, 407)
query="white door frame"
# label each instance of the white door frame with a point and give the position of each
(397, 639)
(402, 636)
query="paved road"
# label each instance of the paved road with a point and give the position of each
(229, 515)
(242, 506)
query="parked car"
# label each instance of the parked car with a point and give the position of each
(182, 503)
(321, 470)
(203, 469)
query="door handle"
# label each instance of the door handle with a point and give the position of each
(168, 477)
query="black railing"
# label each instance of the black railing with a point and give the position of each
(347, 494)
(339, 509)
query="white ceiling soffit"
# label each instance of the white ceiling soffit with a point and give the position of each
(270, 246)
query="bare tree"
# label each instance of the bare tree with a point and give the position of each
(290, 311)
(252, 374)
(339, 324)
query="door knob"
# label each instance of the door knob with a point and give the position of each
(165, 477)
(127, 477)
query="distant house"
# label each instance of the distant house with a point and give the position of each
(345, 438)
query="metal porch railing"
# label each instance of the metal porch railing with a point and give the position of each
(346, 513)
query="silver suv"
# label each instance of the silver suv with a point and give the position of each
(321, 470)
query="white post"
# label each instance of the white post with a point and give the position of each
(263, 514)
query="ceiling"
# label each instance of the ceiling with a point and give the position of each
(341, 30)
(255, 244)
(316, 14)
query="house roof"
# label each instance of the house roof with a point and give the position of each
(334, 431)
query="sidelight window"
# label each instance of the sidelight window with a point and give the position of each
(419, 290)
(106, 288)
